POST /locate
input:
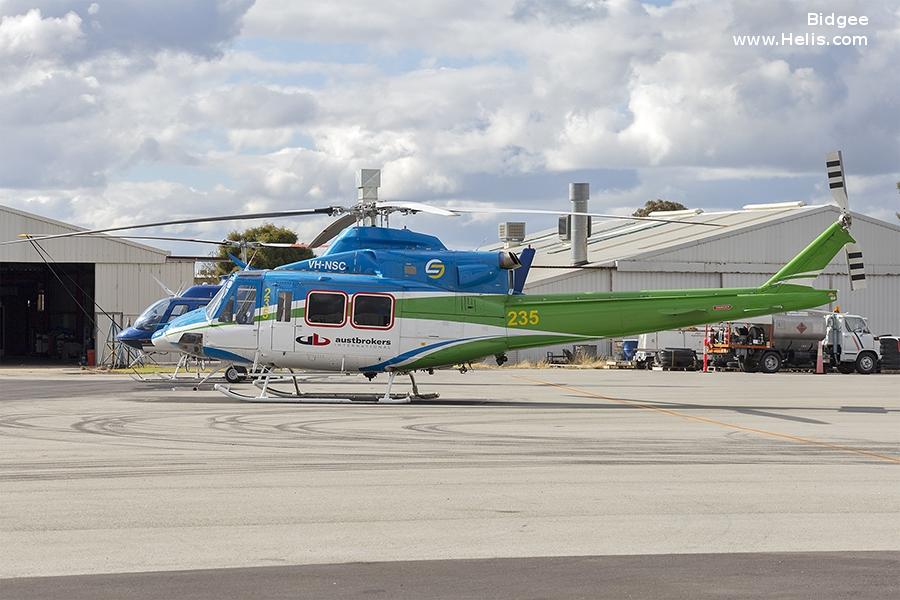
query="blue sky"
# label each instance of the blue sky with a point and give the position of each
(116, 112)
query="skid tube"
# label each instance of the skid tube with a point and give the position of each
(275, 395)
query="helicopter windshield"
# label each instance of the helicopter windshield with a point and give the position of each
(213, 307)
(151, 317)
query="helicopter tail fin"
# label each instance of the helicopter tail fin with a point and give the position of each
(241, 264)
(806, 266)
(521, 274)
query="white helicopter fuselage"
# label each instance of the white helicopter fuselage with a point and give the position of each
(409, 326)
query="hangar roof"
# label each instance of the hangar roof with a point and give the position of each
(646, 245)
(101, 249)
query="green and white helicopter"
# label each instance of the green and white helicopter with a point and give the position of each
(394, 301)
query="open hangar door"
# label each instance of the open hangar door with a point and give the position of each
(40, 318)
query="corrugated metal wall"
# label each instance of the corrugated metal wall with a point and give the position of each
(879, 302)
(125, 290)
(588, 280)
(778, 242)
(634, 281)
(130, 288)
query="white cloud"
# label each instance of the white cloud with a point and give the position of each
(256, 107)
(199, 27)
(154, 94)
(30, 36)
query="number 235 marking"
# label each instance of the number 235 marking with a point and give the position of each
(517, 318)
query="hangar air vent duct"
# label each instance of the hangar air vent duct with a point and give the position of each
(579, 194)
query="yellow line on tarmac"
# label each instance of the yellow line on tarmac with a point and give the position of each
(675, 413)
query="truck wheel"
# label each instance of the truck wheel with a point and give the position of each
(770, 363)
(846, 368)
(866, 363)
(232, 375)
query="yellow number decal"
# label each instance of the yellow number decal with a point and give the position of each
(518, 318)
(267, 296)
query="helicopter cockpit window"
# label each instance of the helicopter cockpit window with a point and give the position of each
(240, 306)
(213, 307)
(375, 311)
(245, 307)
(226, 315)
(150, 318)
(326, 308)
(178, 310)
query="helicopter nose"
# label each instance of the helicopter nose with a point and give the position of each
(164, 341)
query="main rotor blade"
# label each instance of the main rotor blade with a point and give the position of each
(561, 213)
(330, 210)
(453, 212)
(225, 242)
(277, 245)
(164, 287)
(327, 234)
(417, 207)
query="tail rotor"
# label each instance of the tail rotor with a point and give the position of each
(834, 164)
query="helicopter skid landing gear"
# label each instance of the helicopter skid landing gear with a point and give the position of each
(387, 398)
(267, 393)
(415, 390)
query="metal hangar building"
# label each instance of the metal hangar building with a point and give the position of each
(58, 305)
(626, 255)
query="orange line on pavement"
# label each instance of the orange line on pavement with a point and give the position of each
(675, 413)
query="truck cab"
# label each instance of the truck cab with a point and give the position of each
(849, 344)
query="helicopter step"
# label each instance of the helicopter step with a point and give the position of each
(268, 393)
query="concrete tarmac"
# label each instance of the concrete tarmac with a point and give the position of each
(812, 575)
(101, 475)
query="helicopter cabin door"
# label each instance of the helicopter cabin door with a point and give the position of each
(282, 296)
(239, 313)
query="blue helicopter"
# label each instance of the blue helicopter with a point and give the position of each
(158, 315)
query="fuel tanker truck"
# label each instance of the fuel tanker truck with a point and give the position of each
(791, 340)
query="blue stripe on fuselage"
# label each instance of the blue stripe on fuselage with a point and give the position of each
(407, 355)
(225, 355)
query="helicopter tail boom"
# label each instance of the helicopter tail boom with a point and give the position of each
(806, 266)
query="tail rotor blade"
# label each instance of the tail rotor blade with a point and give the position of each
(855, 267)
(834, 164)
